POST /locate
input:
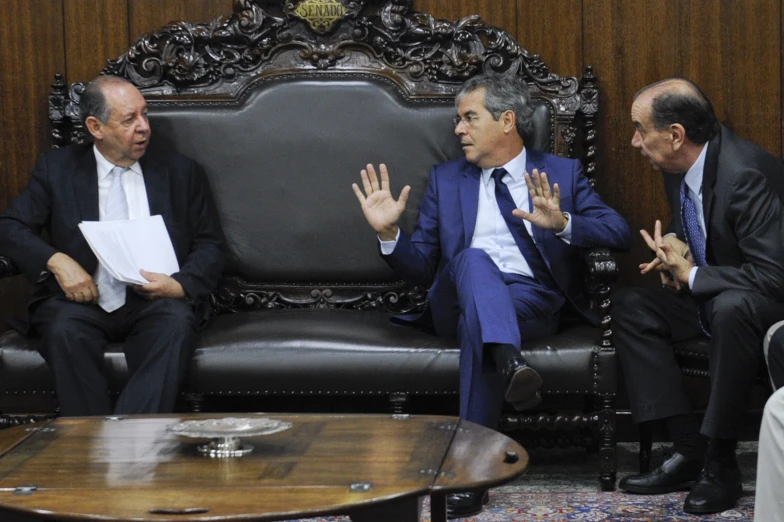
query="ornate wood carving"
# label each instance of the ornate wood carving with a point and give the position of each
(607, 441)
(589, 108)
(220, 55)
(235, 295)
(602, 271)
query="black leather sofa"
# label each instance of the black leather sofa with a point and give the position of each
(283, 111)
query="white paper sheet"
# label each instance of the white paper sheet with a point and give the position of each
(124, 247)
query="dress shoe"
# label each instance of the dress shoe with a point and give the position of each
(533, 402)
(677, 473)
(466, 504)
(521, 382)
(718, 488)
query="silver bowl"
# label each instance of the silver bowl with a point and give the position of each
(226, 433)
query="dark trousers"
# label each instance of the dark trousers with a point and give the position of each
(647, 321)
(475, 302)
(158, 338)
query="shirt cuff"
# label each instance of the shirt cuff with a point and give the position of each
(692, 274)
(387, 247)
(566, 233)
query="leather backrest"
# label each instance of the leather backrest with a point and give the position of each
(281, 162)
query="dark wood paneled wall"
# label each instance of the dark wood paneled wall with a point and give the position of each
(731, 48)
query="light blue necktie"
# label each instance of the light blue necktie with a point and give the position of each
(111, 292)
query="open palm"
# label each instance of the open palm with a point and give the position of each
(546, 203)
(381, 210)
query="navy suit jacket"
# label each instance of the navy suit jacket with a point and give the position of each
(448, 212)
(63, 191)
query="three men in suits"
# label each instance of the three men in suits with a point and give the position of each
(723, 277)
(497, 242)
(77, 307)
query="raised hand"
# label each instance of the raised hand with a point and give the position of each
(677, 246)
(546, 203)
(380, 208)
(676, 259)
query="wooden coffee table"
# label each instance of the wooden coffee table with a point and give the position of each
(369, 467)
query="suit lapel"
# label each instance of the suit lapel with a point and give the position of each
(709, 172)
(156, 183)
(86, 184)
(469, 199)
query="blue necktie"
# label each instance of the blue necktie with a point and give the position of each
(691, 226)
(520, 234)
(695, 241)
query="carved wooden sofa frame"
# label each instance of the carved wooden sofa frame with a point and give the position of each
(288, 326)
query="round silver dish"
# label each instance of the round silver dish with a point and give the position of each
(226, 433)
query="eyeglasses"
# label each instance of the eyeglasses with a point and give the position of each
(469, 120)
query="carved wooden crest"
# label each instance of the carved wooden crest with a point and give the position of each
(322, 15)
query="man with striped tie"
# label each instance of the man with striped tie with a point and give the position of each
(723, 278)
(77, 307)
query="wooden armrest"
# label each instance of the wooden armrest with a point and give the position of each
(601, 271)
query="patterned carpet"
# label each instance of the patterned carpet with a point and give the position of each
(562, 486)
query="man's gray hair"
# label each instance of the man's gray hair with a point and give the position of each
(93, 102)
(504, 92)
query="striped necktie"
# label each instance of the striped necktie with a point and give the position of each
(111, 292)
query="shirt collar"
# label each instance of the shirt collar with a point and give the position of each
(515, 168)
(105, 166)
(694, 174)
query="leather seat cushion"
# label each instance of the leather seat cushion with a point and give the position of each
(327, 351)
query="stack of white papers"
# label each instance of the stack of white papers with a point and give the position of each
(124, 247)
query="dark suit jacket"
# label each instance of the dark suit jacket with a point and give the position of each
(448, 212)
(742, 194)
(63, 191)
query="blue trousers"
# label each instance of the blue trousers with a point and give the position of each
(473, 301)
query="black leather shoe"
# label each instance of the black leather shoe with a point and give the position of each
(718, 488)
(533, 402)
(466, 504)
(675, 474)
(521, 382)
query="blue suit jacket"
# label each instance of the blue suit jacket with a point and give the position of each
(447, 217)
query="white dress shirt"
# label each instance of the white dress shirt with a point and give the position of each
(133, 184)
(491, 232)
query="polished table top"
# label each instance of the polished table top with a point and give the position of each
(132, 468)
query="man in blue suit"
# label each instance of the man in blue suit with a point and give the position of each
(498, 275)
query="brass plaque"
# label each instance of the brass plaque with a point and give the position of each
(321, 15)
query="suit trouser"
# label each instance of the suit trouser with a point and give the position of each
(774, 354)
(475, 302)
(646, 323)
(158, 338)
(769, 502)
